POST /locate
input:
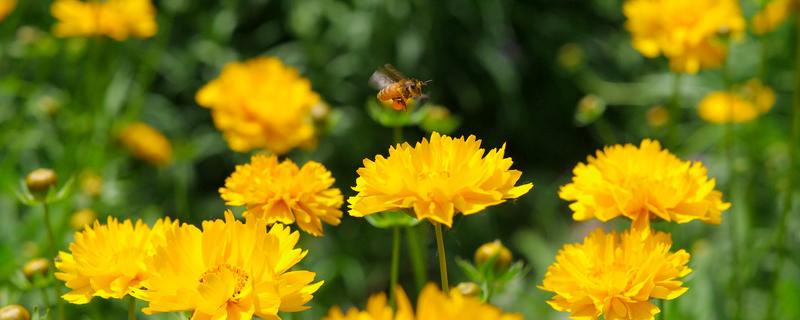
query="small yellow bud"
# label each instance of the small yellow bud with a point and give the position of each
(36, 266)
(320, 111)
(468, 289)
(491, 249)
(589, 109)
(657, 116)
(570, 56)
(82, 218)
(40, 181)
(14, 312)
(91, 184)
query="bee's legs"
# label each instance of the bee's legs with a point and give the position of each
(399, 104)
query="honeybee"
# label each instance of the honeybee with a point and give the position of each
(396, 87)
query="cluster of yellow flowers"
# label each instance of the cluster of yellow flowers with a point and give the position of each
(741, 104)
(261, 103)
(118, 19)
(431, 305)
(616, 275)
(226, 270)
(690, 33)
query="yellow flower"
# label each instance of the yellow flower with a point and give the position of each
(742, 104)
(261, 103)
(107, 261)
(229, 270)
(687, 32)
(437, 179)
(6, 6)
(377, 309)
(772, 15)
(640, 182)
(657, 116)
(282, 192)
(431, 305)
(90, 183)
(616, 275)
(147, 144)
(82, 218)
(118, 19)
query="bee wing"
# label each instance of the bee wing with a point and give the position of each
(380, 80)
(392, 72)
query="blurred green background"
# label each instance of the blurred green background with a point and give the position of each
(511, 71)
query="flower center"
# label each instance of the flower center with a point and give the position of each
(240, 277)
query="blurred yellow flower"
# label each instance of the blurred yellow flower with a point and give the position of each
(431, 305)
(616, 276)
(688, 32)
(741, 104)
(107, 261)
(637, 182)
(229, 270)
(147, 144)
(82, 218)
(657, 116)
(377, 309)
(772, 15)
(118, 19)
(437, 179)
(6, 6)
(90, 183)
(282, 192)
(261, 103)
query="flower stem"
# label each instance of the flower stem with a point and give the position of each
(417, 257)
(53, 253)
(674, 109)
(398, 134)
(395, 265)
(442, 257)
(131, 308)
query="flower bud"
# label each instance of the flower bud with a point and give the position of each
(36, 266)
(589, 109)
(657, 116)
(489, 250)
(40, 181)
(91, 184)
(14, 312)
(82, 218)
(469, 289)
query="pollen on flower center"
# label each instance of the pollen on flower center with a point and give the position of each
(239, 276)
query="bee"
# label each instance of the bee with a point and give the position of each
(396, 87)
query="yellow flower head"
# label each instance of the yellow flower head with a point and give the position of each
(261, 103)
(637, 182)
(147, 144)
(431, 305)
(282, 192)
(742, 104)
(107, 261)
(687, 32)
(82, 218)
(6, 6)
(437, 179)
(616, 275)
(228, 270)
(772, 16)
(118, 19)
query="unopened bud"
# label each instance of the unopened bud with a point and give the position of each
(40, 181)
(14, 312)
(489, 250)
(468, 289)
(82, 218)
(36, 266)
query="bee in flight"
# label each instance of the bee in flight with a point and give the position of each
(396, 87)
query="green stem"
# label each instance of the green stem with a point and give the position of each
(131, 308)
(53, 253)
(788, 200)
(442, 257)
(674, 109)
(395, 265)
(415, 250)
(662, 304)
(398, 134)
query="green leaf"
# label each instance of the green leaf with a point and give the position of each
(388, 117)
(470, 270)
(62, 193)
(391, 219)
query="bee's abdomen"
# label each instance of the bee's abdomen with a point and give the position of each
(388, 93)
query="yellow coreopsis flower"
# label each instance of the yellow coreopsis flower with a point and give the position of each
(6, 6)
(431, 305)
(742, 104)
(616, 275)
(261, 103)
(437, 179)
(637, 182)
(107, 261)
(147, 144)
(772, 15)
(283, 192)
(687, 32)
(118, 19)
(228, 270)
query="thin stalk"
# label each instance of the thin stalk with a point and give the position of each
(53, 253)
(730, 137)
(398, 134)
(674, 108)
(131, 308)
(442, 257)
(788, 200)
(417, 257)
(394, 272)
